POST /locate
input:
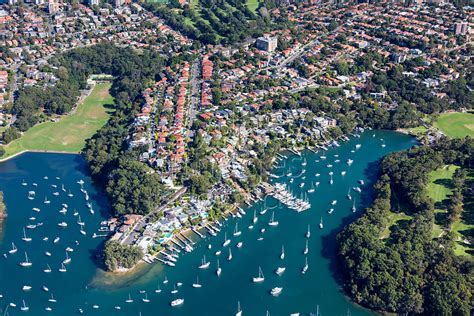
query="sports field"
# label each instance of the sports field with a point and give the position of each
(456, 124)
(70, 132)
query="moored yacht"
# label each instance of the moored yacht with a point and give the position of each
(197, 284)
(305, 267)
(226, 241)
(27, 262)
(177, 302)
(260, 277)
(13, 250)
(280, 270)
(282, 255)
(237, 232)
(204, 264)
(239, 310)
(219, 269)
(272, 221)
(276, 291)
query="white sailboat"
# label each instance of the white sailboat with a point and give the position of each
(272, 221)
(308, 232)
(305, 267)
(306, 249)
(13, 250)
(237, 232)
(282, 255)
(67, 260)
(312, 189)
(239, 310)
(204, 264)
(145, 299)
(260, 277)
(226, 241)
(331, 181)
(63, 268)
(48, 269)
(229, 257)
(24, 308)
(25, 238)
(255, 218)
(52, 299)
(46, 201)
(219, 269)
(129, 299)
(349, 196)
(354, 206)
(321, 225)
(197, 284)
(27, 262)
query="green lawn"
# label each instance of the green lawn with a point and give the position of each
(456, 124)
(253, 5)
(437, 189)
(417, 131)
(393, 218)
(71, 131)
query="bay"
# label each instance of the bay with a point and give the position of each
(85, 285)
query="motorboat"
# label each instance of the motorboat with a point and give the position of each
(280, 270)
(177, 302)
(276, 291)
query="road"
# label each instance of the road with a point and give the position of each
(127, 240)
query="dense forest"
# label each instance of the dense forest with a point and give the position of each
(214, 22)
(409, 271)
(118, 256)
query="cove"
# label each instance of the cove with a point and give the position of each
(84, 285)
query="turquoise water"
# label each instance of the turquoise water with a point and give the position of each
(75, 288)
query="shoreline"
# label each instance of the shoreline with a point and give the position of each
(39, 151)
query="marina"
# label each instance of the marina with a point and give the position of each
(294, 281)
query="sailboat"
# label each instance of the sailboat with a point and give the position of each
(260, 277)
(175, 290)
(229, 257)
(272, 221)
(25, 238)
(239, 310)
(321, 225)
(145, 299)
(24, 308)
(226, 241)
(52, 299)
(354, 206)
(13, 250)
(46, 201)
(204, 264)
(70, 194)
(158, 290)
(48, 269)
(129, 299)
(79, 221)
(27, 262)
(197, 284)
(308, 233)
(255, 218)
(331, 181)
(282, 255)
(67, 260)
(237, 232)
(312, 189)
(305, 267)
(219, 269)
(306, 249)
(349, 196)
(63, 268)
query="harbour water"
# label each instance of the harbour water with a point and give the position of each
(83, 285)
